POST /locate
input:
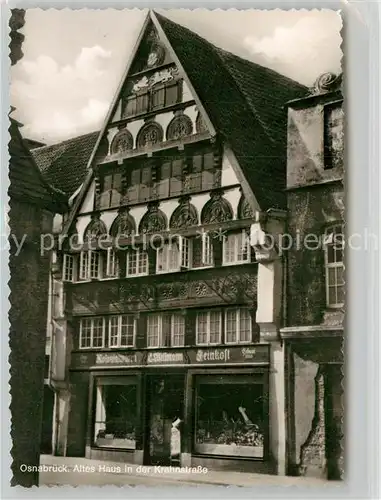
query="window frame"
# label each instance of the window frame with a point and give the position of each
(235, 262)
(168, 247)
(138, 252)
(237, 325)
(119, 331)
(161, 337)
(73, 260)
(208, 313)
(333, 265)
(92, 319)
(105, 264)
(110, 191)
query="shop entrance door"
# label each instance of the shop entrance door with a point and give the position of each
(164, 404)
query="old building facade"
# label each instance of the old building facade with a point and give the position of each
(166, 301)
(315, 281)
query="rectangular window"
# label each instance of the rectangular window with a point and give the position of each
(94, 264)
(168, 257)
(236, 248)
(158, 97)
(164, 175)
(112, 264)
(176, 181)
(142, 103)
(91, 333)
(154, 331)
(208, 328)
(173, 93)
(137, 263)
(68, 267)
(231, 417)
(237, 326)
(177, 330)
(165, 330)
(133, 189)
(84, 265)
(334, 263)
(333, 135)
(122, 331)
(115, 413)
(202, 251)
(111, 190)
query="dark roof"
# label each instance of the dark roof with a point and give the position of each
(27, 184)
(64, 164)
(245, 103)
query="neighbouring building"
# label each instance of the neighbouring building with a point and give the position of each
(32, 205)
(315, 281)
(166, 299)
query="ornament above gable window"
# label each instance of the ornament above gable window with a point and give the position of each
(156, 55)
(180, 126)
(150, 134)
(123, 141)
(327, 82)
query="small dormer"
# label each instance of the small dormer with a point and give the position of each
(315, 145)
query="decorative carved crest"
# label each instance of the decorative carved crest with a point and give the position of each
(151, 133)
(123, 141)
(154, 220)
(124, 224)
(166, 75)
(217, 209)
(327, 82)
(180, 126)
(185, 215)
(95, 229)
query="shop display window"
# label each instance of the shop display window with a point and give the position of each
(230, 416)
(115, 413)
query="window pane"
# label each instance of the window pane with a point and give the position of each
(207, 179)
(215, 323)
(113, 331)
(83, 271)
(242, 247)
(94, 264)
(176, 179)
(142, 262)
(163, 181)
(340, 275)
(178, 330)
(131, 262)
(127, 330)
(202, 326)
(171, 94)
(173, 256)
(209, 161)
(231, 326)
(142, 103)
(331, 276)
(85, 333)
(332, 296)
(244, 326)
(98, 332)
(116, 191)
(197, 252)
(115, 416)
(230, 419)
(229, 248)
(158, 98)
(145, 187)
(166, 330)
(153, 331)
(340, 295)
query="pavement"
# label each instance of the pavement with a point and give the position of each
(76, 471)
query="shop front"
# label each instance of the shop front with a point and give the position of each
(188, 407)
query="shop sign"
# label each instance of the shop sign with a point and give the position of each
(258, 354)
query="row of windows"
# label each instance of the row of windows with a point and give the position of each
(170, 180)
(158, 97)
(166, 330)
(180, 253)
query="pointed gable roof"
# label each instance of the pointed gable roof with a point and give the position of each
(245, 102)
(64, 165)
(27, 183)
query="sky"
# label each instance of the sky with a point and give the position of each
(74, 59)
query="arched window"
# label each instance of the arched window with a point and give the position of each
(334, 265)
(124, 224)
(150, 134)
(180, 126)
(154, 220)
(123, 141)
(216, 210)
(95, 230)
(185, 215)
(244, 209)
